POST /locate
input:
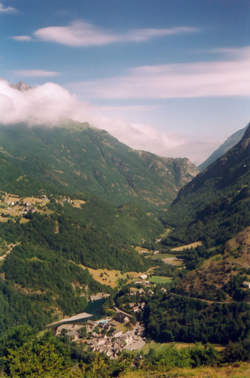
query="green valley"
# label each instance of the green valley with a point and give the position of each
(84, 218)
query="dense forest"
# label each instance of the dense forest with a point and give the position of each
(97, 235)
(176, 318)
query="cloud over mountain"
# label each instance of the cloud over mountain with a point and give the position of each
(51, 104)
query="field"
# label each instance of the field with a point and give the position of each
(167, 259)
(187, 246)
(159, 347)
(110, 277)
(160, 279)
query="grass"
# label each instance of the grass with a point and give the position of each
(142, 250)
(160, 279)
(78, 203)
(24, 220)
(187, 246)
(3, 219)
(160, 347)
(173, 261)
(166, 232)
(160, 256)
(9, 249)
(110, 277)
(167, 259)
(237, 370)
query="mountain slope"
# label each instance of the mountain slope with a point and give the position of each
(47, 244)
(72, 198)
(226, 146)
(76, 158)
(215, 205)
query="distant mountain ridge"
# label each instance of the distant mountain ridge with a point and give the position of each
(222, 149)
(214, 209)
(77, 158)
(216, 204)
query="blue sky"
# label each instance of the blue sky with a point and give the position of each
(169, 76)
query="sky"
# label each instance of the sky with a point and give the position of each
(168, 76)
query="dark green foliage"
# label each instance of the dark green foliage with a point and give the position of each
(17, 308)
(175, 318)
(40, 357)
(42, 272)
(163, 269)
(193, 258)
(97, 236)
(235, 288)
(237, 351)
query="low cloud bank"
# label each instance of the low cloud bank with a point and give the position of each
(50, 104)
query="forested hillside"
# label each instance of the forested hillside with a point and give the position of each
(45, 249)
(77, 159)
(215, 206)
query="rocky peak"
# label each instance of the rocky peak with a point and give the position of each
(21, 86)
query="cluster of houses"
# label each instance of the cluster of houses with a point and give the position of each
(19, 207)
(104, 335)
(23, 208)
(111, 342)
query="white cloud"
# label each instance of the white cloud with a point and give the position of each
(51, 104)
(81, 33)
(4, 9)
(22, 38)
(36, 73)
(228, 77)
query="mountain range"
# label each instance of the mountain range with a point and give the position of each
(80, 211)
(74, 197)
(78, 159)
(214, 210)
(216, 203)
(221, 150)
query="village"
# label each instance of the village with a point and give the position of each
(13, 207)
(120, 329)
(110, 335)
(116, 332)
